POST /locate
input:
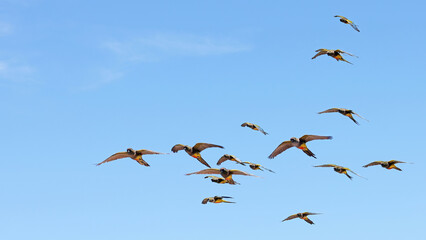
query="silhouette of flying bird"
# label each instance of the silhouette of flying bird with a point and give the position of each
(135, 155)
(341, 170)
(254, 127)
(347, 21)
(225, 173)
(216, 199)
(346, 112)
(231, 158)
(303, 216)
(300, 143)
(386, 164)
(255, 166)
(195, 150)
(336, 54)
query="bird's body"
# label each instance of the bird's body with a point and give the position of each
(254, 127)
(225, 173)
(255, 166)
(347, 21)
(340, 169)
(218, 180)
(230, 158)
(336, 54)
(131, 153)
(195, 151)
(299, 143)
(386, 164)
(345, 112)
(216, 199)
(303, 216)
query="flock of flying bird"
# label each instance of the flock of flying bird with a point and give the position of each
(300, 143)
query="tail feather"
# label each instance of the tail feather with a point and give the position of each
(231, 181)
(265, 133)
(201, 160)
(142, 162)
(348, 176)
(309, 153)
(353, 119)
(308, 220)
(397, 168)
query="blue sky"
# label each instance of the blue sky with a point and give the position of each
(80, 81)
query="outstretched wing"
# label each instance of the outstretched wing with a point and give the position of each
(115, 157)
(330, 110)
(219, 197)
(327, 165)
(178, 147)
(206, 171)
(340, 17)
(144, 152)
(308, 138)
(267, 169)
(238, 172)
(320, 51)
(309, 213)
(354, 26)
(340, 51)
(359, 116)
(223, 159)
(373, 164)
(281, 148)
(261, 130)
(201, 146)
(355, 173)
(212, 177)
(290, 217)
(395, 162)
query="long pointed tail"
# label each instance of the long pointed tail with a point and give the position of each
(353, 119)
(397, 168)
(347, 175)
(309, 153)
(201, 160)
(142, 162)
(344, 60)
(231, 181)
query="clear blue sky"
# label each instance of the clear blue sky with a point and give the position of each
(82, 80)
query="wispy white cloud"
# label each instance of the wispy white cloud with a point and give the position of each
(158, 46)
(105, 76)
(12, 71)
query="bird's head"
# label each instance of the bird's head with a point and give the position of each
(131, 151)
(294, 139)
(224, 170)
